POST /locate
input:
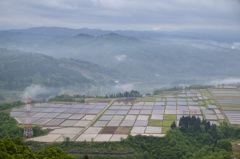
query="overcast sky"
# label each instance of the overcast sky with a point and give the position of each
(121, 14)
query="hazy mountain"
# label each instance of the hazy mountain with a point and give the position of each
(138, 56)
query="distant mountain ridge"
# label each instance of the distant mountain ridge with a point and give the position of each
(205, 34)
(137, 55)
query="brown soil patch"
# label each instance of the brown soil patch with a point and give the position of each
(123, 130)
(109, 130)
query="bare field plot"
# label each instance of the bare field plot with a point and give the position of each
(123, 130)
(109, 130)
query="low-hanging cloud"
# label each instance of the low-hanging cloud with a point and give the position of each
(224, 81)
(36, 91)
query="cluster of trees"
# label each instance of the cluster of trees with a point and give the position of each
(8, 126)
(178, 88)
(15, 148)
(66, 98)
(132, 93)
(192, 124)
(161, 90)
(5, 106)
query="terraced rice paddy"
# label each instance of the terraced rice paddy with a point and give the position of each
(103, 122)
(229, 101)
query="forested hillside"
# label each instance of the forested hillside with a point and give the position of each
(19, 70)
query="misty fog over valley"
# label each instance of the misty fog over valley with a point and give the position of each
(91, 61)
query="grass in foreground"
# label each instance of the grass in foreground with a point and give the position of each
(236, 149)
